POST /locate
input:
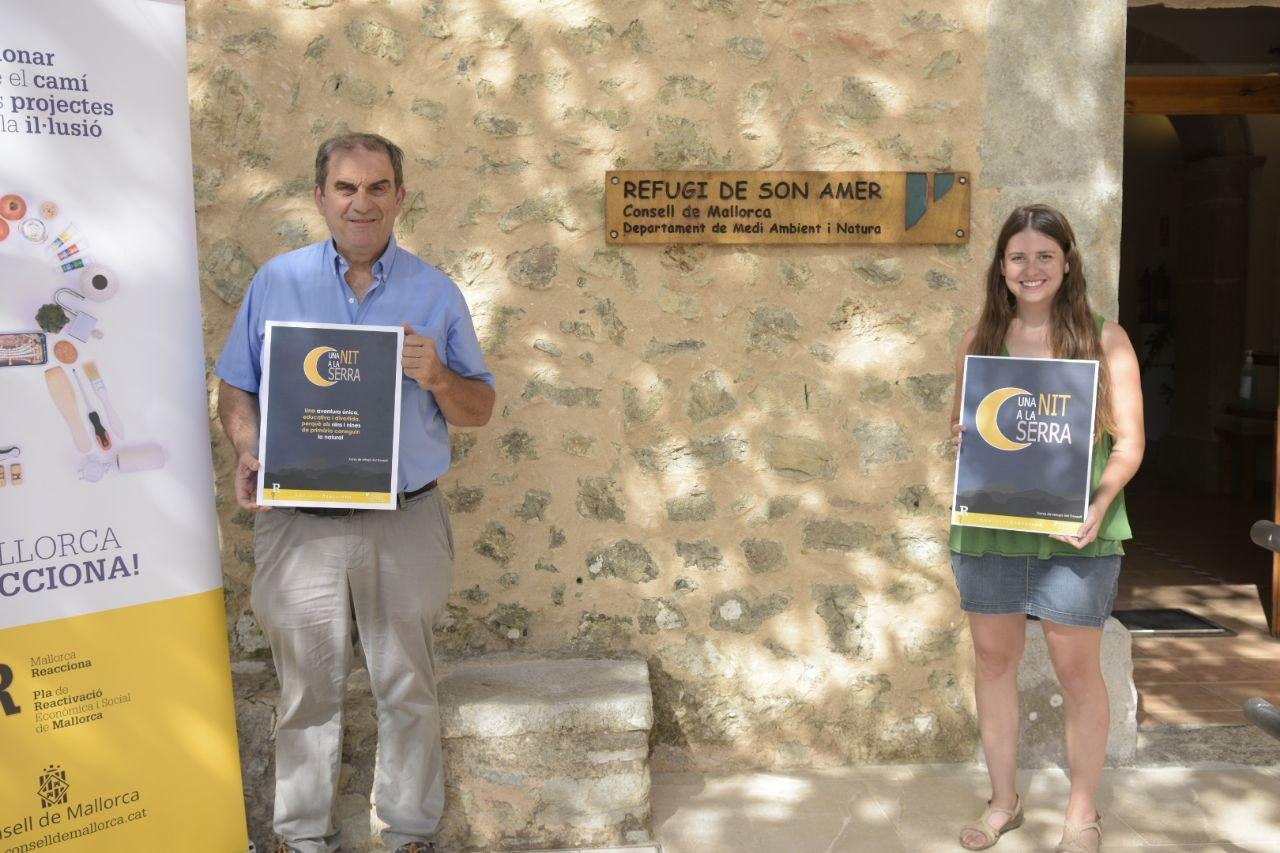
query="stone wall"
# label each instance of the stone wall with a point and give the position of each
(732, 460)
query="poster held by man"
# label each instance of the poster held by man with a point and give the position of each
(1026, 458)
(330, 403)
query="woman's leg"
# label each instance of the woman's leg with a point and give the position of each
(997, 644)
(1077, 659)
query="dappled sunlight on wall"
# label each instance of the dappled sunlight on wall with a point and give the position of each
(733, 461)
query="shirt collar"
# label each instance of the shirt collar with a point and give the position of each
(381, 267)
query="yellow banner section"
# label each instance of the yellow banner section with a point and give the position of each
(322, 496)
(1013, 522)
(124, 737)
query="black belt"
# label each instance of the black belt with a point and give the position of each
(334, 512)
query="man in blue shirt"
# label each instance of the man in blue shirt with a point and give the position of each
(322, 573)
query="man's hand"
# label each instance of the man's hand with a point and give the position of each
(462, 401)
(247, 483)
(421, 364)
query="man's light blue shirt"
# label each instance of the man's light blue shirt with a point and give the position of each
(309, 285)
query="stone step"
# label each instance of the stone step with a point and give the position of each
(545, 754)
(502, 696)
(645, 848)
(539, 754)
(1041, 743)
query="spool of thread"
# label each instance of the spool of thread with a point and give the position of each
(98, 283)
(140, 457)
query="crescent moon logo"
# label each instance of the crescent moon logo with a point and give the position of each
(986, 417)
(310, 367)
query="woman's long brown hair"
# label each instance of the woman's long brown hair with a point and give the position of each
(1072, 333)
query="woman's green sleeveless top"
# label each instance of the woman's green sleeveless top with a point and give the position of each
(976, 541)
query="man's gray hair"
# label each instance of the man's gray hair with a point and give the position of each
(367, 141)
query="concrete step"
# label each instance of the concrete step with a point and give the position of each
(545, 754)
(539, 754)
(1041, 743)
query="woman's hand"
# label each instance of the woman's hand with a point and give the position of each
(957, 428)
(1088, 531)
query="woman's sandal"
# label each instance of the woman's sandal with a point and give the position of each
(1073, 840)
(983, 826)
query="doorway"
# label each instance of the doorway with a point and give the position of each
(1199, 295)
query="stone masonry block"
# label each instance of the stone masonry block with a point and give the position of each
(544, 754)
(1041, 740)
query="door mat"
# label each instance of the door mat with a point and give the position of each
(1169, 622)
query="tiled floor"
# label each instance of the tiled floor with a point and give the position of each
(1184, 681)
(1210, 568)
(920, 809)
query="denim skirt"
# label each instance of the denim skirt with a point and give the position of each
(1068, 590)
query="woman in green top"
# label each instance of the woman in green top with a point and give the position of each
(1036, 306)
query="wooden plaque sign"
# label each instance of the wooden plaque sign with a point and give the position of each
(787, 207)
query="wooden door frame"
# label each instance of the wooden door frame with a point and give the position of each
(1256, 95)
(1202, 96)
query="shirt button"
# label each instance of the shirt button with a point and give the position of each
(351, 299)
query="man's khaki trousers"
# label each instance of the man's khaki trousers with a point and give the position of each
(387, 575)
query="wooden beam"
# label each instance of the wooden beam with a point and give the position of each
(1200, 96)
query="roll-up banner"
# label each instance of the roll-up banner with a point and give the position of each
(117, 723)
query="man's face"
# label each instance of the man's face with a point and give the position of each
(360, 201)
